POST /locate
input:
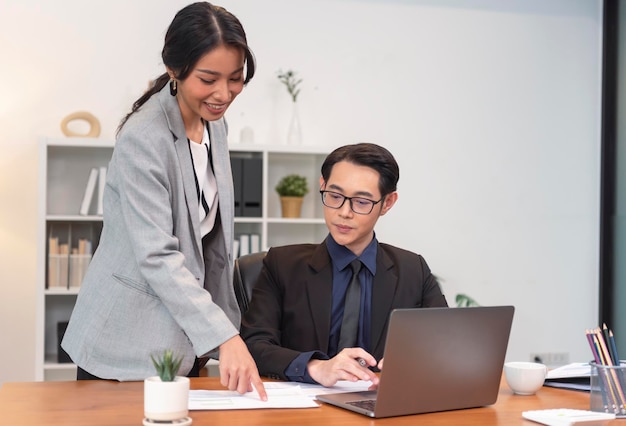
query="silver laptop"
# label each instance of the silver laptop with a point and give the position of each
(436, 359)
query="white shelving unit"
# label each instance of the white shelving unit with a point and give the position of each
(64, 167)
(278, 161)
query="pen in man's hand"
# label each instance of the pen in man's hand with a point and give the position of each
(361, 362)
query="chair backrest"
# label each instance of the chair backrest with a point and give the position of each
(246, 271)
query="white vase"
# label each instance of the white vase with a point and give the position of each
(166, 401)
(294, 135)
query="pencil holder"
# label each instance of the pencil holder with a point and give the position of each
(608, 389)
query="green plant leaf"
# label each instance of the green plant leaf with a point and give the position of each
(463, 300)
(292, 186)
(167, 365)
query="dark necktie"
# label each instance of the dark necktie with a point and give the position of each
(351, 309)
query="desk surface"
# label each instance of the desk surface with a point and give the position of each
(112, 403)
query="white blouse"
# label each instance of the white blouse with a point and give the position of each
(206, 183)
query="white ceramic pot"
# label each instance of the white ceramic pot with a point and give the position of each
(166, 400)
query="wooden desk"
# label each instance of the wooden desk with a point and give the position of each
(112, 403)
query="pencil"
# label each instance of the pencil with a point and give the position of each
(617, 361)
(613, 348)
(609, 362)
(603, 372)
(603, 385)
(607, 339)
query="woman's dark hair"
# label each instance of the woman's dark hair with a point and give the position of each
(196, 30)
(369, 155)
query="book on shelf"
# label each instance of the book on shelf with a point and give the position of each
(255, 243)
(53, 245)
(78, 269)
(58, 267)
(236, 248)
(244, 244)
(79, 261)
(67, 268)
(102, 177)
(89, 190)
(84, 247)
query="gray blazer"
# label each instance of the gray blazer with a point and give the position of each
(151, 284)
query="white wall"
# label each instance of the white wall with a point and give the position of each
(492, 109)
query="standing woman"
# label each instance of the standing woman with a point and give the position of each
(161, 277)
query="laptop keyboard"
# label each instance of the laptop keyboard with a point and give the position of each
(366, 404)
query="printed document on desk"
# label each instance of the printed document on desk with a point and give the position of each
(340, 386)
(575, 376)
(279, 395)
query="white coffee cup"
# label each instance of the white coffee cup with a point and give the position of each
(525, 378)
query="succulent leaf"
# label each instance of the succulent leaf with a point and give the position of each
(167, 365)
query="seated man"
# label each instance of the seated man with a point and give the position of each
(293, 327)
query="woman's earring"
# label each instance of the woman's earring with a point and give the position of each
(173, 87)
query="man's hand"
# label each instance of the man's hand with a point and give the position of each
(238, 370)
(343, 366)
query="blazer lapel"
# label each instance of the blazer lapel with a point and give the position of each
(189, 185)
(220, 160)
(177, 127)
(319, 285)
(383, 289)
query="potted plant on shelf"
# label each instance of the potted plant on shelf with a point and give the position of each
(166, 396)
(292, 189)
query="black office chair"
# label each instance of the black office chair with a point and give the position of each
(246, 272)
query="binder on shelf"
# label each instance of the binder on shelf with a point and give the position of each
(102, 177)
(84, 247)
(58, 271)
(244, 244)
(252, 187)
(58, 267)
(78, 268)
(53, 264)
(89, 190)
(235, 248)
(236, 164)
(255, 243)
(79, 261)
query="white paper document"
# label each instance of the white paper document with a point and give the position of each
(576, 369)
(574, 376)
(279, 395)
(341, 386)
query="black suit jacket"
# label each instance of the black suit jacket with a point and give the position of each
(290, 308)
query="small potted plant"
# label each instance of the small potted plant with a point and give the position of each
(166, 396)
(292, 189)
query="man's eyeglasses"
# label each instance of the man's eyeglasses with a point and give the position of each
(359, 205)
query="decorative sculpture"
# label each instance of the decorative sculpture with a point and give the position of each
(94, 125)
